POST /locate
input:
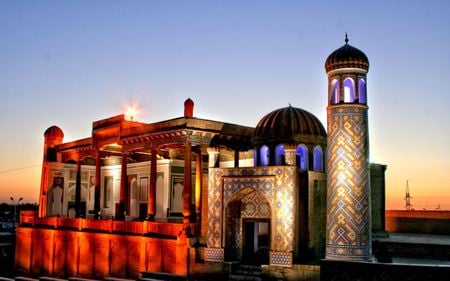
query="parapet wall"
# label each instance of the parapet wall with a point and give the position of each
(62, 253)
(425, 222)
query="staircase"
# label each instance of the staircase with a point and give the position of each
(246, 272)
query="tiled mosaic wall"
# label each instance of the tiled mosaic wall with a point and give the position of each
(276, 185)
(348, 210)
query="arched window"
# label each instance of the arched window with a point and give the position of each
(264, 155)
(318, 159)
(334, 92)
(302, 153)
(279, 155)
(349, 90)
(362, 91)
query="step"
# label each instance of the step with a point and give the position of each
(247, 272)
(245, 278)
(250, 267)
(161, 276)
(21, 278)
(117, 279)
(47, 278)
(75, 278)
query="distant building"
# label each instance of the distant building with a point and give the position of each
(174, 195)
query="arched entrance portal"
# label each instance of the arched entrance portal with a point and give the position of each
(247, 229)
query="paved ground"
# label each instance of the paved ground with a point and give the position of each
(417, 238)
(424, 239)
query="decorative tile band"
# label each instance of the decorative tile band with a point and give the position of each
(348, 252)
(214, 254)
(281, 259)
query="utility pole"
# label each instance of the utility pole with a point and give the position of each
(408, 198)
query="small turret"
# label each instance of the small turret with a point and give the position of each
(189, 108)
(53, 136)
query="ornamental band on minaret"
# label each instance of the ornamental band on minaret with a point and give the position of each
(348, 232)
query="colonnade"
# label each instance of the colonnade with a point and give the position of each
(191, 152)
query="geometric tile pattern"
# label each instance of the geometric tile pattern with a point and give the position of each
(281, 259)
(348, 223)
(275, 186)
(253, 205)
(233, 238)
(214, 254)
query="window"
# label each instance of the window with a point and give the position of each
(264, 155)
(349, 90)
(334, 92)
(362, 91)
(279, 155)
(302, 154)
(318, 159)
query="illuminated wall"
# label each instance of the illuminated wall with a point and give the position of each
(348, 195)
(62, 253)
(276, 184)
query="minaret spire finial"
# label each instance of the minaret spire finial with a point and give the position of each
(346, 38)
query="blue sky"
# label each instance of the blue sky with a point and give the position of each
(70, 63)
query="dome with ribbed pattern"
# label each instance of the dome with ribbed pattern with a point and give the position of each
(289, 125)
(347, 56)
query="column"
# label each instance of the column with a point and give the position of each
(44, 190)
(213, 157)
(236, 158)
(151, 207)
(78, 190)
(198, 187)
(290, 155)
(98, 163)
(120, 215)
(187, 189)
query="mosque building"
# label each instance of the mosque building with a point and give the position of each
(179, 194)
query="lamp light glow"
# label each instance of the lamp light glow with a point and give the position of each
(132, 110)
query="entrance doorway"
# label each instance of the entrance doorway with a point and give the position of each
(256, 236)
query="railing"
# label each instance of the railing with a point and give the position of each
(170, 229)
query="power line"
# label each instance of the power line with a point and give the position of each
(18, 169)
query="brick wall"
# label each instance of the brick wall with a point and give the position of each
(426, 222)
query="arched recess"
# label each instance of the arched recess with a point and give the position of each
(349, 90)
(335, 87)
(302, 155)
(362, 91)
(247, 207)
(56, 197)
(318, 159)
(264, 155)
(134, 198)
(279, 155)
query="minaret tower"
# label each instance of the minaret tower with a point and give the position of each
(348, 235)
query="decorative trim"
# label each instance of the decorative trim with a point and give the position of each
(214, 254)
(281, 259)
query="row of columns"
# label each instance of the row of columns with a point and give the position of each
(151, 207)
